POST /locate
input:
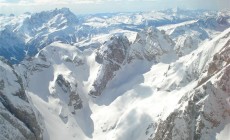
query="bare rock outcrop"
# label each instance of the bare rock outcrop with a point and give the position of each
(111, 56)
(18, 120)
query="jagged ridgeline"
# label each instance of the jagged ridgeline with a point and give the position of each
(161, 75)
(32, 32)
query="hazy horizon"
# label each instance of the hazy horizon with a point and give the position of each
(107, 6)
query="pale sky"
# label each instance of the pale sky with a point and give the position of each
(105, 6)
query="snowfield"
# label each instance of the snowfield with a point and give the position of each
(139, 76)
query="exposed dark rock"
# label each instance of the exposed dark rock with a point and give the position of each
(15, 109)
(74, 98)
(111, 56)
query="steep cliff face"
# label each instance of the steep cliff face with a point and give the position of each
(111, 56)
(202, 113)
(150, 44)
(204, 110)
(63, 86)
(17, 116)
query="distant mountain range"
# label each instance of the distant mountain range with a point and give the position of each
(32, 32)
(160, 75)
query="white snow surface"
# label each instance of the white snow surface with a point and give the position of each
(142, 93)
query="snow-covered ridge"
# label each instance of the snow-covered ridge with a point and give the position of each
(203, 108)
(34, 31)
(169, 82)
(19, 119)
(189, 35)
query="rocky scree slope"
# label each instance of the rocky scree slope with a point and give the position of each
(19, 119)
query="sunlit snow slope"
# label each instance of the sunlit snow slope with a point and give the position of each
(169, 82)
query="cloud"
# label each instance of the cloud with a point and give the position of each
(209, 4)
(31, 2)
(206, 4)
(62, 1)
(12, 1)
(103, 6)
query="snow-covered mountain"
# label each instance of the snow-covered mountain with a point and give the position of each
(19, 119)
(113, 77)
(191, 34)
(32, 32)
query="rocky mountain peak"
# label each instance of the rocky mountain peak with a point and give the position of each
(150, 44)
(114, 49)
(111, 55)
(51, 18)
